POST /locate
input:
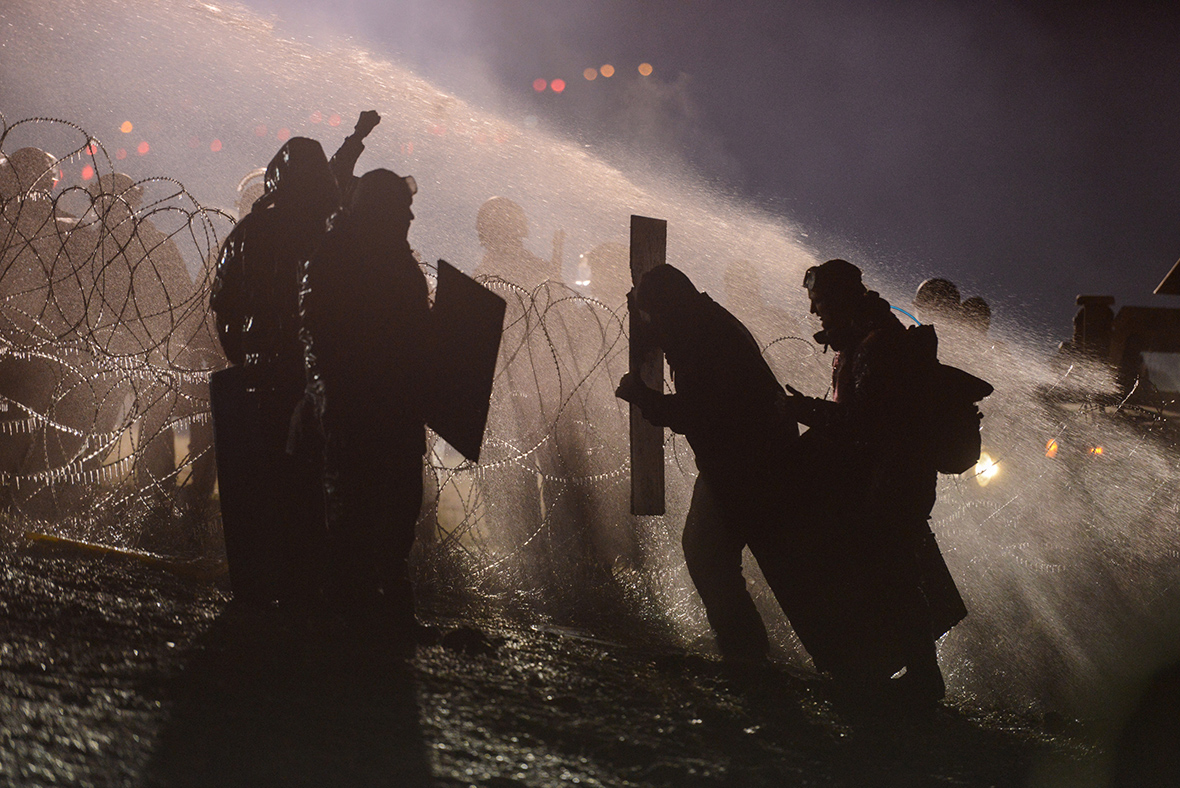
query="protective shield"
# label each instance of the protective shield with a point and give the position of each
(467, 321)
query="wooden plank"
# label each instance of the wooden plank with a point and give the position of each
(649, 241)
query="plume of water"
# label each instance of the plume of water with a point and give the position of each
(1067, 562)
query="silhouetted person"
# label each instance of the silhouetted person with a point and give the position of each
(937, 301)
(502, 227)
(365, 312)
(273, 497)
(873, 562)
(728, 404)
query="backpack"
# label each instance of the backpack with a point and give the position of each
(949, 397)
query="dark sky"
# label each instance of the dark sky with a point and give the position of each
(1026, 151)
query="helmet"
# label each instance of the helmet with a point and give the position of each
(501, 222)
(937, 294)
(28, 170)
(834, 276)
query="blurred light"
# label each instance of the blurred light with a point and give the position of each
(334, 120)
(558, 85)
(121, 153)
(283, 134)
(607, 71)
(590, 74)
(1096, 451)
(91, 149)
(1051, 448)
(194, 141)
(215, 145)
(438, 130)
(316, 117)
(126, 127)
(539, 85)
(407, 148)
(143, 148)
(260, 130)
(645, 69)
(986, 470)
(87, 172)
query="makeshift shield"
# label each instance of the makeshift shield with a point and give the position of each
(467, 321)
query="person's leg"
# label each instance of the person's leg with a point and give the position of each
(713, 554)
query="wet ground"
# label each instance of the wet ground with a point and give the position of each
(121, 671)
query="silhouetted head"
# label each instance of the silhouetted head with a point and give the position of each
(835, 289)
(977, 314)
(382, 198)
(667, 298)
(116, 191)
(936, 298)
(28, 170)
(250, 190)
(501, 223)
(299, 176)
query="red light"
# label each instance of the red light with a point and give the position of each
(260, 130)
(143, 148)
(558, 85)
(215, 145)
(316, 117)
(539, 85)
(407, 148)
(87, 172)
(283, 134)
(91, 149)
(121, 153)
(438, 130)
(334, 120)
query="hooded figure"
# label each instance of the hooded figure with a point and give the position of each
(272, 503)
(365, 310)
(728, 405)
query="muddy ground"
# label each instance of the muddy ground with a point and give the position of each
(117, 671)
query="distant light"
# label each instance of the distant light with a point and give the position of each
(143, 148)
(283, 134)
(126, 127)
(316, 117)
(591, 74)
(539, 85)
(558, 85)
(408, 148)
(194, 141)
(121, 153)
(438, 130)
(607, 71)
(215, 145)
(260, 130)
(645, 69)
(985, 470)
(87, 172)
(1051, 448)
(91, 149)
(334, 120)
(1096, 451)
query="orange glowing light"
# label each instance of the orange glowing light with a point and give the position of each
(1051, 449)
(126, 127)
(215, 145)
(121, 153)
(91, 149)
(87, 172)
(1096, 451)
(260, 130)
(143, 148)
(607, 71)
(591, 74)
(539, 85)
(334, 120)
(316, 117)
(558, 85)
(283, 134)
(645, 69)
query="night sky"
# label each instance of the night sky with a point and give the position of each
(1026, 151)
